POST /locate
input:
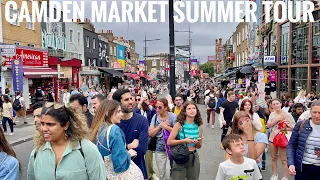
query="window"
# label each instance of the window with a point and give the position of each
(31, 45)
(114, 51)
(299, 80)
(94, 43)
(94, 63)
(154, 63)
(17, 43)
(89, 62)
(284, 45)
(243, 34)
(315, 79)
(283, 80)
(79, 38)
(111, 51)
(299, 43)
(12, 12)
(316, 38)
(71, 35)
(30, 25)
(88, 41)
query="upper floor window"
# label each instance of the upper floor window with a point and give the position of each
(94, 43)
(71, 35)
(79, 38)
(17, 43)
(13, 12)
(30, 25)
(154, 62)
(88, 41)
(31, 45)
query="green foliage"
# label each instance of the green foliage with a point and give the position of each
(208, 68)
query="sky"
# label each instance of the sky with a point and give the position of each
(203, 34)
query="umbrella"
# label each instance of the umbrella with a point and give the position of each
(270, 64)
(247, 70)
(258, 65)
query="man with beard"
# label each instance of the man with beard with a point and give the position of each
(96, 100)
(154, 99)
(178, 101)
(135, 126)
(298, 109)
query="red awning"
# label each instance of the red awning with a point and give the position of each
(147, 77)
(133, 76)
(40, 72)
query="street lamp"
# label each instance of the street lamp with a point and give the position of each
(145, 45)
(189, 50)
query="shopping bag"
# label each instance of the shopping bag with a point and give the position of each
(280, 140)
(263, 129)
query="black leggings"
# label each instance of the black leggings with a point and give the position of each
(225, 129)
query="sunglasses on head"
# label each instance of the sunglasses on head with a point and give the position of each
(54, 105)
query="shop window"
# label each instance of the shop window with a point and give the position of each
(315, 79)
(316, 38)
(284, 45)
(299, 43)
(283, 80)
(299, 79)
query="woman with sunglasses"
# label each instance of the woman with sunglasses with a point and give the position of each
(189, 129)
(254, 141)
(61, 148)
(162, 121)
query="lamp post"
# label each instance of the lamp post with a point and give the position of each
(189, 44)
(145, 45)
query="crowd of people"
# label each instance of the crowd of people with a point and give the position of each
(114, 136)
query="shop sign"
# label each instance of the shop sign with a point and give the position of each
(269, 59)
(29, 57)
(116, 65)
(17, 75)
(67, 72)
(7, 50)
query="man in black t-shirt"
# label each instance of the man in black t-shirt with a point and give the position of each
(227, 110)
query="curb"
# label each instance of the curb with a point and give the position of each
(21, 140)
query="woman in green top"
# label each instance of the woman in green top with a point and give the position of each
(189, 120)
(62, 150)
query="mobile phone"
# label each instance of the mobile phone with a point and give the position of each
(144, 94)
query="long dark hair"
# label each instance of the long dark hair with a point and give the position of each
(165, 103)
(5, 98)
(5, 146)
(183, 116)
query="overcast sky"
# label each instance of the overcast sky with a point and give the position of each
(203, 36)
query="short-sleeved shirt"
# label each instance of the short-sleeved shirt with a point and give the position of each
(6, 110)
(155, 122)
(229, 109)
(258, 138)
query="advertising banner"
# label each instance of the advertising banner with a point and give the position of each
(193, 67)
(17, 75)
(121, 55)
(7, 50)
(29, 57)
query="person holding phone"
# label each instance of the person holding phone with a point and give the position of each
(303, 150)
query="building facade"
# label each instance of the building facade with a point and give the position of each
(240, 40)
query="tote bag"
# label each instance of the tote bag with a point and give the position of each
(132, 173)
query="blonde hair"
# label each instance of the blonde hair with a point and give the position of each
(235, 128)
(76, 131)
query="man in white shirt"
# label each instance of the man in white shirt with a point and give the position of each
(23, 111)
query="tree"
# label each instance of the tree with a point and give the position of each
(207, 68)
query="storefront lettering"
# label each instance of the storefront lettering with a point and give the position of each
(53, 41)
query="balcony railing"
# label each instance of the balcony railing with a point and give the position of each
(63, 54)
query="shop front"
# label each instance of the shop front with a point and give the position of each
(35, 73)
(68, 74)
(111, 77)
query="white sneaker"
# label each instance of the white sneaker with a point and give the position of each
(284, 178)
(154, 177)
(212, 127)
(11, 134)
(274, 177)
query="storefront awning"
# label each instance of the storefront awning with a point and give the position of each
(40, 72)
(111, 71)
(147, 77)
(133, 76)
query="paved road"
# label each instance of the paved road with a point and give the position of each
(210, 154)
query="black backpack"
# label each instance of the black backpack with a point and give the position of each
(17, 104)
(180, 152)
(212, 102)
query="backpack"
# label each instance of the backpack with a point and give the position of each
(212, 102)
(17, 104)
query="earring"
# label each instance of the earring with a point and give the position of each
(65, 134)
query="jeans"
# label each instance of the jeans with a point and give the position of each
(4, 124)
(213, 113)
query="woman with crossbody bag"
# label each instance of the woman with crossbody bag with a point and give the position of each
(111, 143)
(188, 130)
(161, 123)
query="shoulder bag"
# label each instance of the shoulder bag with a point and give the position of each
(180, 152)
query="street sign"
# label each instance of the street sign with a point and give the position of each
(182, 52)
(7, 50)
(184, 47)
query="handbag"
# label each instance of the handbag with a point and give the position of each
(152, 142)
(132, 173)
(280, 140)
(180, 152)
